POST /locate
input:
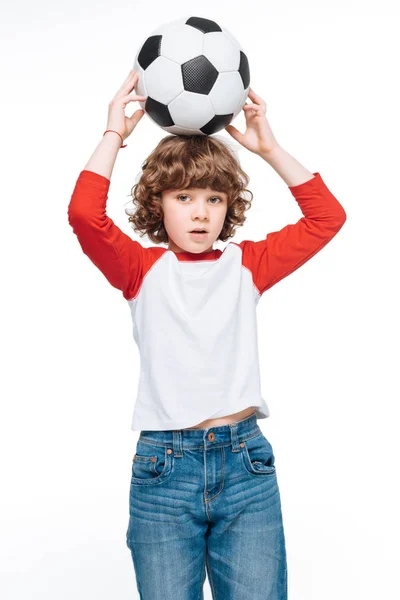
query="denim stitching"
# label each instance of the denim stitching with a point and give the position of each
(161, 477)
(151, 442)
(255, 473)
(223, 479)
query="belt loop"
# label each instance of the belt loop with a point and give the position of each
(234, 437)
(177, 442)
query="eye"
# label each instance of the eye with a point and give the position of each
(213, 198)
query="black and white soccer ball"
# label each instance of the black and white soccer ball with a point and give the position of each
(194, 74)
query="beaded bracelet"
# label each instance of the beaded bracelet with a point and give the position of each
(122, 146)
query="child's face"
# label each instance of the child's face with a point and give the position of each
(185, 210)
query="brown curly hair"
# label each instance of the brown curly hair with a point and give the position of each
(181, 162)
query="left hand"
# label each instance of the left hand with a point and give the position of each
(258, 137)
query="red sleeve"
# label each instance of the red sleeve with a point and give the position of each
(118, 257)
(284, 251)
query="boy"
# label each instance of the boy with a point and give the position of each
(204, 491)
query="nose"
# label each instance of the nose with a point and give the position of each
(200, 211)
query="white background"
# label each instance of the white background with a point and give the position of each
(328, 333)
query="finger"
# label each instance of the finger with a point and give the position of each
(135, 118)
(235, 133)
(129, 82)
(255, 96)
(132, 98)
(255, 107)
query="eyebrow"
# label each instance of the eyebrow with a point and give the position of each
(211, 193)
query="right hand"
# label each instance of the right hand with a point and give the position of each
(116, 109)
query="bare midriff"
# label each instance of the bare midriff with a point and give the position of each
(224, 420)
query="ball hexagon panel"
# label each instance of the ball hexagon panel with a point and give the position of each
(191, 110)
(183, 130)
(190, 43)
(163, 80)
(221, 51)
(231, 37)
(227, 93)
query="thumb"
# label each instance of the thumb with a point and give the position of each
(234, 133)
(135, 118)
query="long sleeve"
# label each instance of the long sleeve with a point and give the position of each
(284, 251)
(115, 254)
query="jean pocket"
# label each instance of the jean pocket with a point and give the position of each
(258, 457)
(151, 464)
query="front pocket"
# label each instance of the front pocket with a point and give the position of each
(145, 466)
(258, 456)
(151, 464)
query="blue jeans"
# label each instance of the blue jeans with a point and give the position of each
(207, 499)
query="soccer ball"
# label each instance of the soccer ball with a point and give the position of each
(194, 74)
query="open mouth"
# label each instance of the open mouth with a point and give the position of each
(199, 234)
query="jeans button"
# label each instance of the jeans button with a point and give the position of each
(211, 436)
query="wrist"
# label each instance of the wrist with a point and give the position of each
(271, 155)
(291, 171)
(116, 136)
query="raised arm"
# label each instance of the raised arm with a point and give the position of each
(113, 252)
(284, 251)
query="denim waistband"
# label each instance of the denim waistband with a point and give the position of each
(211, 437)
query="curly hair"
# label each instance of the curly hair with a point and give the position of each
(181, 162)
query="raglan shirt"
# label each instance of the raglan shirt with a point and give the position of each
(194, 315)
